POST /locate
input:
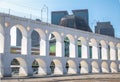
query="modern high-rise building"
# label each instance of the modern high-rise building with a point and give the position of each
(78, 20)
(104, 28)
(75, 22)
(56, 16)
(82, 14)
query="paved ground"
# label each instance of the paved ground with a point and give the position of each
(70, 78)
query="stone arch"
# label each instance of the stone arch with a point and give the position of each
(112, 51)
(71, 67)
(55, 44)
(84, 67)
(113, 67)
(35, 43)
(83, 47)
(58, 70)
(41, 69)
(1, 39)
(21, 65)
(95, 67)
(93, 48)
(71, 45)
(104, 52)
(105, 68)
(42, 41)
(118, 51)
(21, 39)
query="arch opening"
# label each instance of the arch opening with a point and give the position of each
(84, 67)
(113, 67)
(18, 40)
(93, 50)
(71, 67)
(38, 42)
(69, 46)
(18, 67)
(112, 51)
(104, 51)
(95, 67)
(56, 67)
(39, 67)
(83, 47)
(52, 45)
(35, 43)
(55, 45)
(104, 67)
(52, 67)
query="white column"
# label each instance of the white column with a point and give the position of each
(104, 53)
(58, 49)
(76, 48)
(72, 50)
(112, 53)
(84, 49)
(24, 46)
(95, 51)
(43, 47)
(47, 46)
(29, 45)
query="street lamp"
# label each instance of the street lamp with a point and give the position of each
(44, 9)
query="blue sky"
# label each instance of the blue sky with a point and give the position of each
(99, 10)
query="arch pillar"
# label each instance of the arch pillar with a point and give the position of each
(64, 67)
(72, 50)
(24, 46)
(43, 44)
(112, 53)
(59, 49)
(6, 67)
(105, 55)
(76, 48)
(47, 45)
(7, 42)
(85, 50)
(48, 70)
(28, 46)
(95, 51)
(63, 48)
(29, 67)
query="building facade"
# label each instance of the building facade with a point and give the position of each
(87, 53)
(56, 16)
(104, 28)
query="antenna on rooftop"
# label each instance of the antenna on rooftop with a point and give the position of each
(44, 10)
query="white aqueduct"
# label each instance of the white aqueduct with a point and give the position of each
(99, 53)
